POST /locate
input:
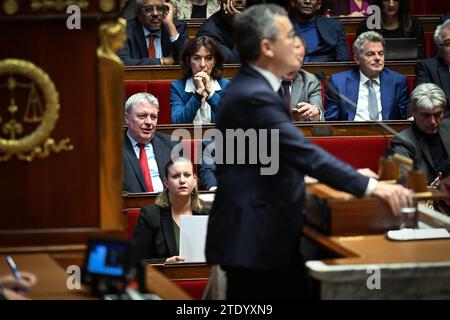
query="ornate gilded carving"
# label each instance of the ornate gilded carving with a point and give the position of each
(10, 7)
(57, 5)
(112, 38)
(28, 137)
(107, 5)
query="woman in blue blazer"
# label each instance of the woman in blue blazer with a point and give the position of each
(195, 98)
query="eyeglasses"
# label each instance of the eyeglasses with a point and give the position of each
(150, 9)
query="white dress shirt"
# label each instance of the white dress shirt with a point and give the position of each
(157, 41)
(152, 165)
(362, 111)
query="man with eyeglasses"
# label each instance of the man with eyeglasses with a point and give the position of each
(155, 37)
(437, 68)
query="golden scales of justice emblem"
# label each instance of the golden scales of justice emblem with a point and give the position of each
(25, 130)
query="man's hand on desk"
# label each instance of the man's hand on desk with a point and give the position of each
(175, 259)
(15, 289)
(396, 196)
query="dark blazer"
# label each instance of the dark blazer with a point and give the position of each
(162, 145)
(333, 42)
(436, 71)
(256, 220)
(417, 149)
(184, 105)
(217, 28)
(154, 235)
(445, 17)
(394, 95)
(133, 178)
(135, 51)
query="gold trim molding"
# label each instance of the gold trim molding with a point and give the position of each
(37, 144)
(10, 7)
(57, 5)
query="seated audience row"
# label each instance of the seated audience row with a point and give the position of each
(147, 151)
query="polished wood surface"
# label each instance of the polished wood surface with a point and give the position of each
(58, 200)
(310, 129)
(184, 271)
(170, 73)
(378, 249)
(51, 278)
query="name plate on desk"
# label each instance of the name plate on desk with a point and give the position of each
(322, 131)
(341, 214)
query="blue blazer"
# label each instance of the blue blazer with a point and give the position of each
(333, 42)
(394, 95)
(256, 219)
(184, 105)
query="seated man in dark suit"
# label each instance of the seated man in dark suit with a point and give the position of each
(147, 151)
(220, 27)
(427, 141)
(377, 93)
(436, 69)
(325, 37)
(154, 36)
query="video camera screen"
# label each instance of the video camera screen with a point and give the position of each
(108, 258)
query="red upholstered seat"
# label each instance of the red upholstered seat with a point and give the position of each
(194, 288)
(360, 152)
(410, 81)
(351, 37)
(160, 89)
(131, 219)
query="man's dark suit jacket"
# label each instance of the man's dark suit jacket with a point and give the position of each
(162, 146)
(154, 235)
(134, 179)
(217, 28)
(417, 149)
(436, 71)
(256, 220)
(135, 51)
(332, 40)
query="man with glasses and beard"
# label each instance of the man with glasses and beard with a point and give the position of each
(154, 36)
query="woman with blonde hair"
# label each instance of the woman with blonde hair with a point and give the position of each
(157, 233)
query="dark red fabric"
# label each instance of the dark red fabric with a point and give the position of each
(143, 162)
(194, 288)
(351, 37)
(131, 219)
(132, 87)
(161, 90)
(360, 152)
(430, 46)
(410, 82)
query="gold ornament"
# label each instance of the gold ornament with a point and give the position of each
(107, 5)
(28, 146)
(10, 7)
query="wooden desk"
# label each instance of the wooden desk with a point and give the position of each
(170, 73)
(51, 278)
(309, 129)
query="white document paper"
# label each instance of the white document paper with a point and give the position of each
(193, 237)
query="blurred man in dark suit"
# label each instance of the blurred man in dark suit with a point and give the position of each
(437, 68)
(256, 220)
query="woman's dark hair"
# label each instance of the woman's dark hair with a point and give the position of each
(193, 47)
(404, 15)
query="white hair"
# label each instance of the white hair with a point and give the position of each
(141, 97)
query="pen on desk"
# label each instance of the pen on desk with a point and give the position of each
(13, 267)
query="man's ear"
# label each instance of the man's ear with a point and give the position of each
(125, 117)
(266, 48)
(357, 59)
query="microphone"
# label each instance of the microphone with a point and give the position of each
(338, 96)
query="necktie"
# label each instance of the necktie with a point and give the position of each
(286, 93)
(373, 104)
(143, 162)
(151, 47)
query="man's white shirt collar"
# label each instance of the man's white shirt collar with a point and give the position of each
(363, 78)
(274, 81)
